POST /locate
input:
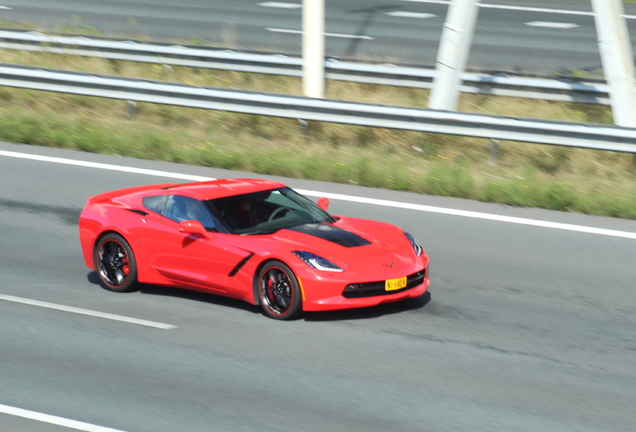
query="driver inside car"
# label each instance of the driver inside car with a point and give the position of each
(245, 215)
(247, 211)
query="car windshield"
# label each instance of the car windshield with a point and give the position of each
(267, 211)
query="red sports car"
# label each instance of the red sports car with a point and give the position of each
(254, 240)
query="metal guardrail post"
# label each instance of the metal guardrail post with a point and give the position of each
(494, 151)
(131, 109)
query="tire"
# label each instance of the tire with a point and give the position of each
(278, 291)
(115, 263)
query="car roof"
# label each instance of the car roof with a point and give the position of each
(223, 188)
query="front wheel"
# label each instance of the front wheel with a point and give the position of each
(278, 291)
(115, 263)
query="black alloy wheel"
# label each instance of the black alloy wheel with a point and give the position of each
(115, 263)
(279, 292)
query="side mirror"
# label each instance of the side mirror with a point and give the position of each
(193, 227)
(323, 203)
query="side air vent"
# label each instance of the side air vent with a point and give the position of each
(139, 212)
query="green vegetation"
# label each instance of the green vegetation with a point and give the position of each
(557, 178)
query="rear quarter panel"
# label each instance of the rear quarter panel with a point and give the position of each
(97, 219)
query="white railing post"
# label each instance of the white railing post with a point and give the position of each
(617, 58)
(453, 53)
(314, 48)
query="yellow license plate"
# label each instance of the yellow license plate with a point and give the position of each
(395, 284)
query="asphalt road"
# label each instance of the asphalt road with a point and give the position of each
(527, 328)
(518, 35)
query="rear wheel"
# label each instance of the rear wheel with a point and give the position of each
(278, 291)
(115, 263)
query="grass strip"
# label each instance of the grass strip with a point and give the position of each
(551, 177)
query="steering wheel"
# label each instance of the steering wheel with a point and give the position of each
(277, 213)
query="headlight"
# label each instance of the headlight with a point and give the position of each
(416, 246)
(319, 263)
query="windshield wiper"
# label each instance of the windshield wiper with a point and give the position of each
(261, 232)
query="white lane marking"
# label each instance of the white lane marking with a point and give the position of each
(338, 35)
(59, 421)
(280, 5)
(5, 7)
(87, 312)
(519, 8)
(533, 9)
(473, 215)
(444, 2)
(556, 25)
(350, 198)
(103, 166)
(508, 7)
(406, 14)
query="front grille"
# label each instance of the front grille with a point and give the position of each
(373, 289)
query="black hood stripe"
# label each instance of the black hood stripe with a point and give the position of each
(332, 234)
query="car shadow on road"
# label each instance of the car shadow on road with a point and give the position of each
(339, 315)
(186, 294)
(200, 297)
(370, 312)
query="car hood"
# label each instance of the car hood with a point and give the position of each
(354, 244)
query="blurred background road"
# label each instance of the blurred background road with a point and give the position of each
(530, 37)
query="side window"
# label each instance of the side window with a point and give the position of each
(155, 203)
(180, 208)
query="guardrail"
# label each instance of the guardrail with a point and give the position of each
(584, 135)
(202, 57)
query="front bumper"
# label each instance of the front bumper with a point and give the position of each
(323, 294)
